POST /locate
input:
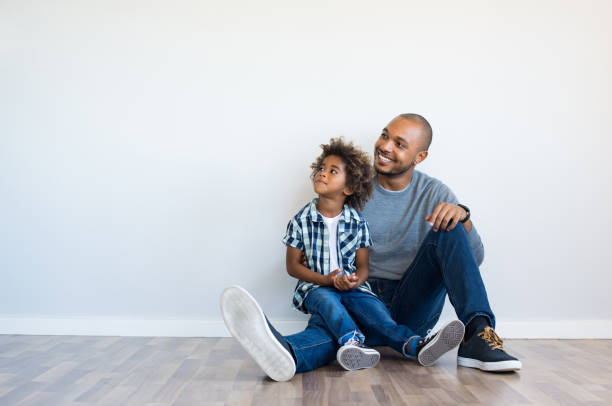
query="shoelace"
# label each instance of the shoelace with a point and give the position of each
(491, 337)
(353, 341)
(427, 338)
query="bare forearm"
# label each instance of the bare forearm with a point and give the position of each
(300, 272)
(362, 274)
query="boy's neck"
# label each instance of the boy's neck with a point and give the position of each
(330, 207)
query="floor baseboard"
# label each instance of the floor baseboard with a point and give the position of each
(215, 328)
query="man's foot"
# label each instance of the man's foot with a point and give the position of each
(355, 355)
(247, 323)
(429, 349)
(485, 351)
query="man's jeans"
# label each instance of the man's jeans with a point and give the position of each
(340, 310)
(444, 264)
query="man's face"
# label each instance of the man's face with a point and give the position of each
(396, 150)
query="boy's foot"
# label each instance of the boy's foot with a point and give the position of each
(355, 355)
(247, 323)
(431, 348)
(484, 350)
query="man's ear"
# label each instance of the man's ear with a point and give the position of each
(347, 191)
(420, 157)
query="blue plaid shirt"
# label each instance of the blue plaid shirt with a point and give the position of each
(306, 231)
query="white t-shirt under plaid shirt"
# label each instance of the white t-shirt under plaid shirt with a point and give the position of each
(307, 231)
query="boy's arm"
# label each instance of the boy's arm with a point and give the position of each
(358, 278)
(299, 271)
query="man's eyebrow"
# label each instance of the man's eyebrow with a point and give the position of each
(405, 141)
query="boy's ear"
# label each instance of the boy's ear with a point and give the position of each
(347, 191)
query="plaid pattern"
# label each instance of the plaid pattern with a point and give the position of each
(306, 231)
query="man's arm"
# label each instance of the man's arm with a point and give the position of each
(446, 216)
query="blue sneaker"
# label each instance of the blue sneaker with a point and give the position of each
(247, 323)
(485, 351)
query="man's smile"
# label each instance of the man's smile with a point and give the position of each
(382, 158)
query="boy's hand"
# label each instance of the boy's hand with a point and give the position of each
(330, 278)
(346, 282)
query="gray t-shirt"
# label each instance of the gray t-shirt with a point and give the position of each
(398, 227)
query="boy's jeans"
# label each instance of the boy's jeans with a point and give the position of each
(444, 264)
(340, 309)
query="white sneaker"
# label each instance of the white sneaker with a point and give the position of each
(247, 323)
(355, 355)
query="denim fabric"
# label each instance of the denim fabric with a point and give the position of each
(314, 347)
(327, 303)
(343, 311)
(444, 264)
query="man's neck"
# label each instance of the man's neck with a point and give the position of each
(330, 206)
(396, 183)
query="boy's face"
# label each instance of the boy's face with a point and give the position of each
(330, 180)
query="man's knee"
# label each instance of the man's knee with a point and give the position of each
(458, 232)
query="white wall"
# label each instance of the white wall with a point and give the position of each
(151, 153)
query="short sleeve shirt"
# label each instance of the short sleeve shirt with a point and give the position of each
(307, 231)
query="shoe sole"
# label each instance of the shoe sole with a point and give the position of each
(449, 337)
(499, 366)
(352, 358)
(247, 323)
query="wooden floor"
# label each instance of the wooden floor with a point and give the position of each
(69, 370)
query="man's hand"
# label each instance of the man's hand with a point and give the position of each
(344, 282)
(445, 216)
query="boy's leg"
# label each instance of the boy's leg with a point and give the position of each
(377, 323)
(326, 303)
(444, 264)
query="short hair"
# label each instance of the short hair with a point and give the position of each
(426, 127)
(359, 169)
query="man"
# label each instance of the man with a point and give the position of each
(425, 246)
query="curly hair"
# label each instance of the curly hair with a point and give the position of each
(359, 170)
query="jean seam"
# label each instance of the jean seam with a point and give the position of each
(311, 345)
(441, 264)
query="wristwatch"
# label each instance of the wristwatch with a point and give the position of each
(467, 217)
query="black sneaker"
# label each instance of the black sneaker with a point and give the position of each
(247, 323)
(485, 351)
(429, 349)
(355, 355)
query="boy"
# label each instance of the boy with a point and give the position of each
(334, 239)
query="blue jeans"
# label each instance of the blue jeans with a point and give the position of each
(444, 264)
(339, 310)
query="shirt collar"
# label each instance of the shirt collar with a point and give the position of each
(347, 212)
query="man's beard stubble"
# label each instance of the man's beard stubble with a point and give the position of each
(394, 174)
